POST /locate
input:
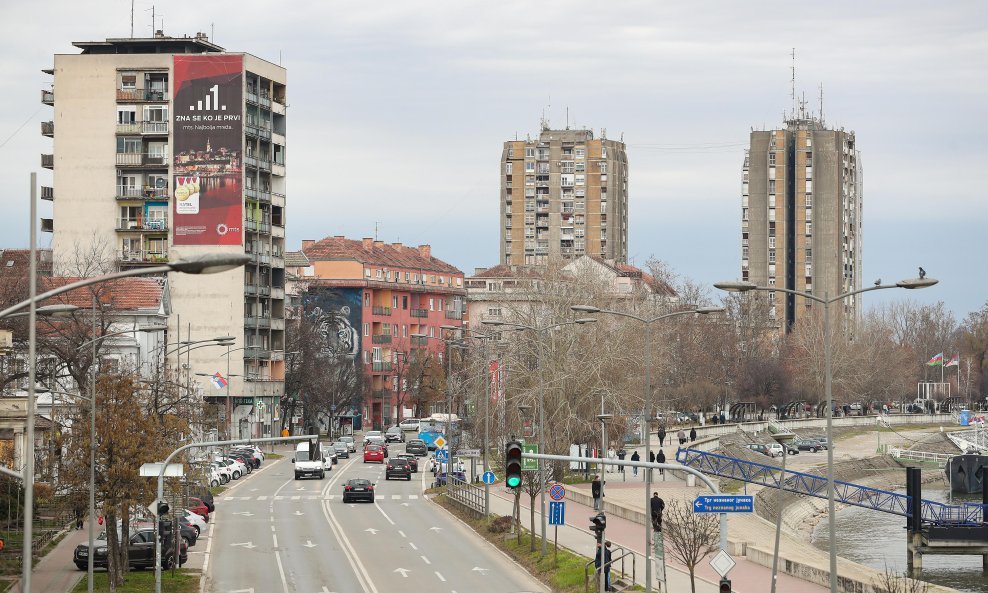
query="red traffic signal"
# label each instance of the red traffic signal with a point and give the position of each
(725, 585)
(512, 464)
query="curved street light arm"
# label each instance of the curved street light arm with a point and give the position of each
(120, 333)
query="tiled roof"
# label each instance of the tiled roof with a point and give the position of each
(506, 271)
(295, 259)
(17, 258)
(630, 271)
(378, 253)
(126, 294)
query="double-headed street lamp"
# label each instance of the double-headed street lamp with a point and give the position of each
(647, 406)
(825, 300)
(202, 264)
(540, 331)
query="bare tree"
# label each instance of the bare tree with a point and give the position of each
(692, 536)
(974, 340)
(893, 582)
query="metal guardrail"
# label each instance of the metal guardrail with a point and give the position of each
(919, 456)
(974, 438)
(617, 553)
(466, 495)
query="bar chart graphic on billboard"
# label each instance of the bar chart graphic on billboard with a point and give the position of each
(208, 149)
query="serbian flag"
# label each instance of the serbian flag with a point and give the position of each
(218, 381)
(935, 361)
(955, 361)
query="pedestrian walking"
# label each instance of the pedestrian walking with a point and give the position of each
(661, 458)
(635, 457)
(681, 435)
(651, 459)
(606, 563)
(693, 434)
(596, 490)
(662, 436)
(621, 454)
(656, 505)
(78, 516)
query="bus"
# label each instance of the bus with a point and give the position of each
(435, 425)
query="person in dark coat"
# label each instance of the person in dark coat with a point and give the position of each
(635, 457)
(657, 505)
(621, 454)
(662, 436)
(607, 564)
(692, 434)
(661, 458)
(596, 491)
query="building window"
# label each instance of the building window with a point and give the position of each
(367, 357)
(366, 329)
(394, 302)
(128, 82)
(404, 302)
(367, 273)
(603, 167)
(809, 228)
(603, 152)
(507, 168)
(126, 114)
(404, 331)
(771, 256)
(809, 255)
(529, 153)
(432, 332)
(771, 242)
(494, 311)
(432, 304)
(581, 179)
(529, 166)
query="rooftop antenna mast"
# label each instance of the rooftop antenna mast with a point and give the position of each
(567, 117)
(792, 91)
(131, 19)
(375, 229)
(821, 104)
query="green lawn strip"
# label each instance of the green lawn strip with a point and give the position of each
(273, 456)
(217, 490)
(562, 575)
(141, 581)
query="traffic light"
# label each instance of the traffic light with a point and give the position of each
(725, 585)
(163, 508)
(598, 524)
(512, 464)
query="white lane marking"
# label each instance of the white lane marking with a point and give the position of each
(281, 571)
(262, 498)
(440, 576)
(395, 497)
(296, 497)
(413, 546)
(426, 560)
(413, 497)
(402, 533)
(308, 544)
(363, 577)
(248, 545)
(404, 572)
(385, 514)
(371, 530)
(274, 536)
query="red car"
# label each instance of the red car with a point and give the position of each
(199, 507)
(374, 453)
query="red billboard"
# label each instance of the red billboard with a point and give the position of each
(208, 147)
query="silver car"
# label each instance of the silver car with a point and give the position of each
(350, 444)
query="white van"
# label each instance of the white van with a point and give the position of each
(307, 464)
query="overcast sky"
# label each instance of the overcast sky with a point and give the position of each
(398, 110)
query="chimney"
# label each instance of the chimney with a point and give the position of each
(340, 237)
(478, 271)
(306, 243)
(425, 251)
(396, 246)
(368, 243)
(378, 243)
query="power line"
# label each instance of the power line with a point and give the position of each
(21, 127)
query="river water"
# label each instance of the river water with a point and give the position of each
(878, 540)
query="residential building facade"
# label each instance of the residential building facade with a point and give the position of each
(801, 215)
(386, 305)
(562, 196)
(171, 147)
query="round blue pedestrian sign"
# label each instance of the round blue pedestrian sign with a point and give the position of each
(488, 477)
(557, 492)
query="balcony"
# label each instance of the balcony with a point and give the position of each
(47, 193)
(154, 127)
(257, 290)
(131, 128)
(48, 129)
(257, 322)
(47, 225)
(277, 324)
(126, 192)
(140, 257)
(140, 159)
(381, 393)
(48, 161)
(260, 195)
(454, 315)
(420, 341)
(278, 292)
(48, 97)
(423, 313)
(258, 226)
(256, 130)
(140, 225)
(382, 310)
(381, 339)
(381, 366)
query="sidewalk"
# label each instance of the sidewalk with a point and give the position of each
(55, 572)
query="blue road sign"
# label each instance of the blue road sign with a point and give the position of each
(724, 503)
(557, 492)
(489, 477)
(442, 455)
(557, 513)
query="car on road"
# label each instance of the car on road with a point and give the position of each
(358, 489)
(328, 455)
(811, 445)
(394, 435)
(351, 445)
(436, 467)
(305, 462)
(417, 447)
(441, 477)
(374, 437)
(409, 425)
(342, 450)
(140, 553)
(413, 461)
(374, 453)
(398, 468)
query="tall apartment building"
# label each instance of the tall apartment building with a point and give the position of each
(563, 196)
(801, 215)
(384, 304)
(171, 147)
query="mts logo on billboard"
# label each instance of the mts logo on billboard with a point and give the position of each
(212, 102)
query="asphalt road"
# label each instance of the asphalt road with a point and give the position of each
(273, 534)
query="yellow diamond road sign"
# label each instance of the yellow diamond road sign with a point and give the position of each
(440, 442)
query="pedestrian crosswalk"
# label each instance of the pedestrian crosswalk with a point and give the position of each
(300, 497)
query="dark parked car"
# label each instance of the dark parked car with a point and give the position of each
(760, 448)
(398, 468)
(203, 494)
(807, 445)
(358, 489)
(394, 435)
(417, 447)
(140, 554)
(342, 450)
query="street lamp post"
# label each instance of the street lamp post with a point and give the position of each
(203, 264)
(602, 570)
(539, 331)
(825, 301)
(647, 406)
